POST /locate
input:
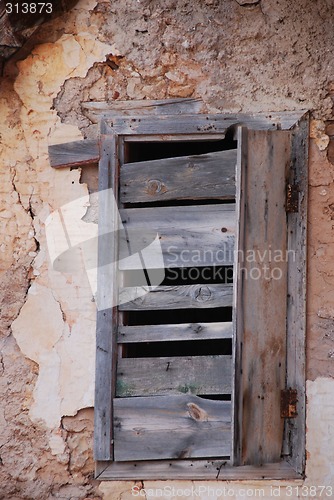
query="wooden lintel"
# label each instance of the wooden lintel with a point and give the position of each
(155, 117)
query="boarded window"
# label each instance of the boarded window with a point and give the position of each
(202, 291)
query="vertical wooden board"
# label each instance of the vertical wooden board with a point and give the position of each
(106, 315)
(261, 294)
(238, 326)
(296, 313)
(171, 427)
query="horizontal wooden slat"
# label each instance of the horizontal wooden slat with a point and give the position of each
(76, 153)
(169, 333)
(95, 110)
(190, 216)
(173, 375)
(189, 236)
(195, 469)
(154, 428)
(80, 153)
(207, 176)
(208, 124)
(176, 297)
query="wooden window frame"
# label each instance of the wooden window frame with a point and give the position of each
(115, 133)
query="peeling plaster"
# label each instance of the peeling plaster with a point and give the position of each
(320, 432)
(66, 373)
(317, 132)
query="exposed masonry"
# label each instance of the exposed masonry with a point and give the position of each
(247, 3)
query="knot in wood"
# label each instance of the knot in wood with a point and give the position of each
(202, 294)
(197, 413)
(155, 186)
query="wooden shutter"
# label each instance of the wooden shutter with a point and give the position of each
(160, 410)
(260, 295)
(257, 430)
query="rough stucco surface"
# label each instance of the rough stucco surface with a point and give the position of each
(272, 55)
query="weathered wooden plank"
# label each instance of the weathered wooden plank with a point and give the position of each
(238, 324)
(173, 375)
(263, 288)
(208, 124)
(106, 314)
(189, 236)
(97, 110)
(204, 176)
(296, 312)
(161, 126)
(74, 154)
(176, 297)
(170, 333)
(155, 428)
(195, 469)
(171, 137)
(190, 216)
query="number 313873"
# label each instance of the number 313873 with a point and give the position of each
(28, 8)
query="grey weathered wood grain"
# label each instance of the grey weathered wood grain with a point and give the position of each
(106, 316)
(148, 428)
(238, 323)
(173, 375)
(296, 312)
(211, 126)
(189, 236)
(170, 333)
(96, 111)
(261, 311)
(171, 137)
(176, 297)
(76, 153)
(204, 176)
(195, 469)
(199, 124)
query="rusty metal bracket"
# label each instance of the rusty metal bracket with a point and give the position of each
(292, 198)
(289, 401)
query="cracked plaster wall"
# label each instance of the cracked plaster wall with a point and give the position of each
(236, 56)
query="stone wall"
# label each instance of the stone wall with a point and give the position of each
(237, 56)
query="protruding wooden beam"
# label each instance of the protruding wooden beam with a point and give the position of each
(74, 154)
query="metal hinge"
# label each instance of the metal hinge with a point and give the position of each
(292, 198)
(289, 401)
